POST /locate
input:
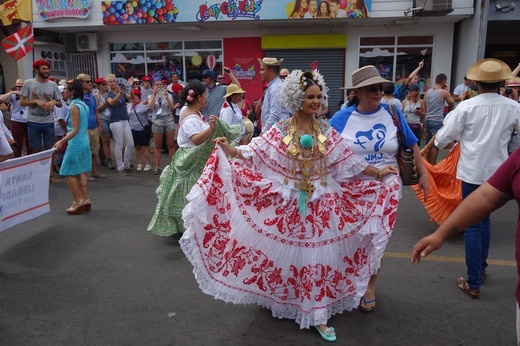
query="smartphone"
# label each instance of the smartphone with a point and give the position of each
(419, 108)
(121, 86)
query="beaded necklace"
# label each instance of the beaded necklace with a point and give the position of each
(306, 154)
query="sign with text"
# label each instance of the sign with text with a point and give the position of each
(49, 10)
(167, 11)
(24, 188)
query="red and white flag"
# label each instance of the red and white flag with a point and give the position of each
(20, 43)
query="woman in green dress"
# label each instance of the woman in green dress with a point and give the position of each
(195, 146)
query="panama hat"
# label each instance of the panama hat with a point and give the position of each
(366, 76)
(515, 81)
(233, 89)
(270, 61)
(19, 81)
(489, 71)
(284, 72)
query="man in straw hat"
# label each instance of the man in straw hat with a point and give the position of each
(272, 108)
(484, 124)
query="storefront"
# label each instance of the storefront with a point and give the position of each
(188, 37)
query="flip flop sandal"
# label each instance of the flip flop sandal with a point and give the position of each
(462, 284)
(366, 302)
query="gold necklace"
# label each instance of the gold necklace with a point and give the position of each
(306, 155)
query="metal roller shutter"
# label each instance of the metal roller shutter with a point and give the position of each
(331, 64)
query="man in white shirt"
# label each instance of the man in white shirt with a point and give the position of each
(460, 89)
(484, 124)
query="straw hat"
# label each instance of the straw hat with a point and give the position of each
(366, 76)
(284, 72)
(19, 82)
(63, 82)
(270, 61)
(233, 89)
(489, 71)
(515, 81)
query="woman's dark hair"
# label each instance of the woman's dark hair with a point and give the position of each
(307, 80)
(75, 86)
(192, 91)
(297, 8)
(230, 103)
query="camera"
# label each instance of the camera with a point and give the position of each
(121, 86)
(508, 92)
(17, 97)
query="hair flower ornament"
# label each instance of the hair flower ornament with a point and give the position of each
(292, 90)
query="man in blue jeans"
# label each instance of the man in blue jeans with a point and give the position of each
(484, 125)
(41, 96)
(434, 101)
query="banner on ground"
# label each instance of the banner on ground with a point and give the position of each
(24, 188)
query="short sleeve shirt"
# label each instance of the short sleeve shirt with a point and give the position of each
(34, 90)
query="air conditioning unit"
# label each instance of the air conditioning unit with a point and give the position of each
(87, 42)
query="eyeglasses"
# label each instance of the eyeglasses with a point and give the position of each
(220, 77)
(374, 88)
(87, 81)
(19, 86)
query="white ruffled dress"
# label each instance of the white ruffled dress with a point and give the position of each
(249, 244)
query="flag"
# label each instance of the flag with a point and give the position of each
(16, 9)
(19, 43)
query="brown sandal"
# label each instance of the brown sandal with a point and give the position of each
(462, 284)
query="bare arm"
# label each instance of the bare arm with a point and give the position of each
(414, 72)
(516, 70)
(203, 136)
(448, 98)
(234, 80)
(74, 115)
(477, 205)
(6, 97)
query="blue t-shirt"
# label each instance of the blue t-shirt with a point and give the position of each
(372, 136)
(117, 112)
(90, 101)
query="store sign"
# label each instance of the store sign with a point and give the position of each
(54, 9)
(166, 11)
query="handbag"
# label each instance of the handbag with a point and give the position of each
(405, 156)
(147, 128)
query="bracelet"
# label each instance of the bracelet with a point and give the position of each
(379, 174)
(236, 153)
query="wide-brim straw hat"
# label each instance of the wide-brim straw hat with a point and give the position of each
(366, 76)
(233, 89)
(270, 61)
(515, 81)
(489, 71)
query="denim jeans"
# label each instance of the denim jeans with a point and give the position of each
(476, 241)
(431, 127)
(38, 132)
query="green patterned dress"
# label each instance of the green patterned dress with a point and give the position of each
(178, 178)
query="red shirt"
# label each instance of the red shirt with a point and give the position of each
(507, 180)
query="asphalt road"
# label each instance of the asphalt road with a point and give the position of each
(101, 279)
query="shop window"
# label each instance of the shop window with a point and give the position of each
(397, 56)
(188, 59)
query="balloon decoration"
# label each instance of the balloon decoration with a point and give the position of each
(211, 61)
(139, 12)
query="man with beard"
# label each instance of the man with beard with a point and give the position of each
(41, 96)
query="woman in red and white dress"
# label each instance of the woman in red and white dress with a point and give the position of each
(280, 224)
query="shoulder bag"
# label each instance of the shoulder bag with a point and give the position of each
(147, 128)
(405, 157)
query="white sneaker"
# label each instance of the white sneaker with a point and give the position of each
(147, 168)
(139, 167)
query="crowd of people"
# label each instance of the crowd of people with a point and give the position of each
(275, 203)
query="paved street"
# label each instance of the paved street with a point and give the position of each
(101, 279)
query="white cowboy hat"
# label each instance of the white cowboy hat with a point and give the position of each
(366, 76)
(270, 61)
(489, 71)
(233, 89)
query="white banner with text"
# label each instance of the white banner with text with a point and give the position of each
(24, 188)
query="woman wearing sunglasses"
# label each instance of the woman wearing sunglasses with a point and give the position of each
(370, 132)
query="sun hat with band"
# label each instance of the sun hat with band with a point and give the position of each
(233, 89)
(489, 71)
(270, 61)
(366, 76)
(513, 82)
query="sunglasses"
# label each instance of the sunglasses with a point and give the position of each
(103, 84)
(374, 88)
(87, 81)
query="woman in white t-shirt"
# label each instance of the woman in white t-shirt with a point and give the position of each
(414, 110)
(230, 112)
(195, 146)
